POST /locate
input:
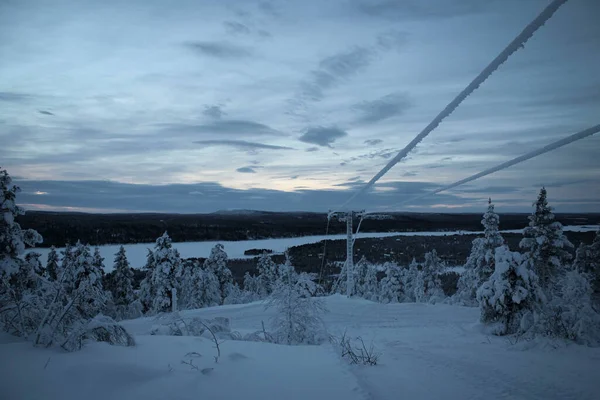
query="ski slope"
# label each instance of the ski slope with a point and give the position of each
(136, 253)
(428, 352)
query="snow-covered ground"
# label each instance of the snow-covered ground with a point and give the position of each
(428, 352)
(136, 253)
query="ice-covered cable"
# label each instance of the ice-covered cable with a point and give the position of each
(552, 146)
(515, 45)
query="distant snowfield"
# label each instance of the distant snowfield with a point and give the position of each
(136, 253)
(427, 352)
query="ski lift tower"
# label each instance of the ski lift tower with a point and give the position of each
(348, 216)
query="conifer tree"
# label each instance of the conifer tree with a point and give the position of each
(267, 272)
(390, 290)
(544, 243)
(167, 264)
(217, 264)
(122, 290)
(52, 266)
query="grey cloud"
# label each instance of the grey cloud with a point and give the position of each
(386, 107)
(392, 40)
(312, 149)
(236, 28)
(231, 126)
(223, 50)
(246, 170)
(183, 198)
(405, 10)
(373, 142)
(322, 136)
(213, 112)
(45, 112)
(383, 153)
(14, 97)
(333, 69)
(409, 174)
(268, 8)
(241, 144)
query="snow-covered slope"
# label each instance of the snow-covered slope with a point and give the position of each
(428, 352)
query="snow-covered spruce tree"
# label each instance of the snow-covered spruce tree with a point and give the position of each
(409, 277)
(253, 288)
(544, 243)
(209, 289)
(167, 264)
(51, 272)
(33, 259)
(235, 295)
(370, 286)
(587, 260)
(98, 260)
(267, 272)
(361, 269)
(570, 314)
(390, 289)
(12, 238)
(511, 296)
(217, 264)
(147, 291)
(429, 284)
(19, 302)
(87, 282)
(297, 317)
(122, 290)
(480, 263)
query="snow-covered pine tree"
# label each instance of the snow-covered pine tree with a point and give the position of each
(52, 267)
(254, 288)
(122, 290)
(390, 289)
(267, 272)
(544, 243)
(235, 295)
(217, 264)
(429, 279)
(297, 317)
(508, 299)
(167, 264)
(587, 260)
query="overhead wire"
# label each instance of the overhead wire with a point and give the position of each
(516, 44)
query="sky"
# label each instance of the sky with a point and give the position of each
(284, 105)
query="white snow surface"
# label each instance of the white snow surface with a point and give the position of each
(427, 352)
(136, 253)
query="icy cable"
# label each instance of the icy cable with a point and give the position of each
(552, 146)
(515, 45)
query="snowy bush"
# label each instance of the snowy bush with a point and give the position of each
(570, 315)
(511, 295)
(355, 351)
(100, 329)
(297, 317)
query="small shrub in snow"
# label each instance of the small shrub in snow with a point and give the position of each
(298, 315)
(100, 329)
(355, 351)
(511, 295)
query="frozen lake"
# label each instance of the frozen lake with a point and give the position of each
(136, 253)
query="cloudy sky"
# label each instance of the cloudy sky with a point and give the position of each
(197, 105)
